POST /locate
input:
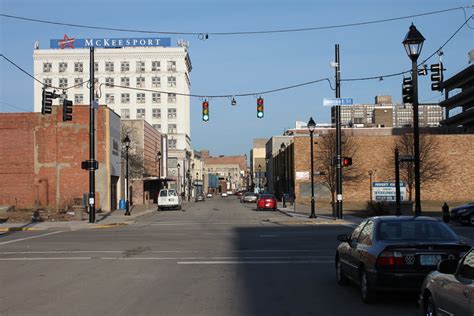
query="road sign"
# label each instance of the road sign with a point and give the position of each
(386, 191)
(337, 101)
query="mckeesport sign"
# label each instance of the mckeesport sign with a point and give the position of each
(70, 42)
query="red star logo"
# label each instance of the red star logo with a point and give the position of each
(66, 42)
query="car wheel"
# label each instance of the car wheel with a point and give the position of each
(159, 209)
(341, 278)
(429, 308)
(366, 289)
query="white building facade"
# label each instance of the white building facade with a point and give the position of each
(137, 78)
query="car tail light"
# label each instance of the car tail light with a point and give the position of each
(390, 259)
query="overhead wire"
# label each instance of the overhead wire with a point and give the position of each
(205, 35)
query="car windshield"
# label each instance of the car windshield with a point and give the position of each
(249, 194)
(415, 230)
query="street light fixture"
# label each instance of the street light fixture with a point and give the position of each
(413, 44)
(259, 177)
(126, 142)
(178, 183)
(158, 157)
(311, 127)
(285, 181)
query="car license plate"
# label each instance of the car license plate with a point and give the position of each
(429, 260)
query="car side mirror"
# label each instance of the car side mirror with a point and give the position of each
(343, 238)
(447, 266)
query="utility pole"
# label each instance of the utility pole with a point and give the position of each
(338, 139)
(397, 182)
(92, 163)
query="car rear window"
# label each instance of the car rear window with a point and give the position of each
(163, 193)
(267, 196)
(415, 230)
(250, 194)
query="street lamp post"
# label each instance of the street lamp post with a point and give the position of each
(188, 176)
(413, 44)
(311, 127)
(370, 184)
(158, 158)
(259, 177)
(126, 141)
(178, 183)
(285, 185)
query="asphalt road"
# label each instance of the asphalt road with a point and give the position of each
(219, 257)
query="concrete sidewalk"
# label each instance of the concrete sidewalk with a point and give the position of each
(103, 220)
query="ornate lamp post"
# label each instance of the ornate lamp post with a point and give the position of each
(259, 177)
(413, 44)
(311, 127)
(126, 142)
(178, 183)
(158, 158)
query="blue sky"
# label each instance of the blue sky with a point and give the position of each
(251, 63)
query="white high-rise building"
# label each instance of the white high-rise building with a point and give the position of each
(137, 78)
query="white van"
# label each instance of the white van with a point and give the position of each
(168, 198)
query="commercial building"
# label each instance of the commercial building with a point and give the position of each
(224, 173)
(138, 78)
(258, 165)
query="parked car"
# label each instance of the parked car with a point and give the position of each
(249, 197)
(266, 201)
(394, 253)
(239, 193)
(230, 192)
(168, 199)
(200, 198)
(224, 194)
(464, 213)
(449, 290)
(209, 195)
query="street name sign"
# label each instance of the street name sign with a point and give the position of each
(337, 101)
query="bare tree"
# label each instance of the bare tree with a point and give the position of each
(324, 160)
(431, 167)
(135, 154)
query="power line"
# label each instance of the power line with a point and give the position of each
(204, 35)
(13, 106)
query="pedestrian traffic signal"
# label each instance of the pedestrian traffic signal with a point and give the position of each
(436, 76)
(205, 111)
(260, 107)
(407, 90)
(67, 110)
(346, 161)
(47, 101)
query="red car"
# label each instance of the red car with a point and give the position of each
(266, 201)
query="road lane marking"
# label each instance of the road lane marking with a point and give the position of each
(45, 258)
(258, 262)
(27, 238)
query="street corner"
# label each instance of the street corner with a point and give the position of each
(111, 225)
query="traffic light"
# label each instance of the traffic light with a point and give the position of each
(47, 101)
(407, 90)
(67, 110)
(436, 76)
(346, 161)
(205, 111)
(260, 107)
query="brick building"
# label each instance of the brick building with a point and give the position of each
(42, 155)
(373, 161)
(230, 171)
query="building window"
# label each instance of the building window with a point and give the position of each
(156, 113)
(125, 81)
(124, 66)
(109, 98)
(140, 113)
(172, 143)
(171, 97)
(96, 66)
(172, 113)
(125, 98)
(62, 83)
(157, 127)
(48, 82)
(140, 82)
(156, 97)
(172, 81)
(156, 82)
(140, 66)
(125, 113)
(109, 66)
(78, 82)
(78, 99)
(140, 97)
(78, 67)
(171, 128)
(47, 67)
(62, 67)
(171, 65)
(109, 82)
(155, 66)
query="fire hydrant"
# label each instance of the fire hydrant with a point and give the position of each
(445, 210)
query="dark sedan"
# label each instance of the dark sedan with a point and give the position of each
(449, 290)
(464, 213)
(394, 253)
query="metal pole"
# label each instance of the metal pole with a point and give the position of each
(313, 213)
(416, 136)
(338, 139)
(397, 181)
(127, 189)
(91, 139)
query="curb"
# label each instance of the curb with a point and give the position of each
(17, 229)
(111, 225)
